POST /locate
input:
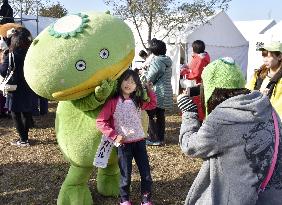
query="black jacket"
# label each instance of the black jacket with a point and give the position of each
(7, 12)
(21, 99)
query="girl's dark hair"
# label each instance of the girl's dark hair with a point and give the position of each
(263, 71)
(137, 95)
(20, 39)
(198, 46)
(157, 47)
(219, 95)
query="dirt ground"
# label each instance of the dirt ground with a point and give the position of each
(33, 175)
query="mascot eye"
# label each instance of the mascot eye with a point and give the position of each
(80, 65)
(104, 53)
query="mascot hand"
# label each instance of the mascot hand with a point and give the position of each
(103, 91)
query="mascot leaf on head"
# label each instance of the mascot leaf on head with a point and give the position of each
(76, 61)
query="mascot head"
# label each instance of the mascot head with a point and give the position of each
(68, 59)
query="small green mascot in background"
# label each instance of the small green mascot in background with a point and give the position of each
(76, 61)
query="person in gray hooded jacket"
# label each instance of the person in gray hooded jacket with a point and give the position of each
(236, 142)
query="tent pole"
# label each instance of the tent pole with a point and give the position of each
(21, 13)
(37, 30)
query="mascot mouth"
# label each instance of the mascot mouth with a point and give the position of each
(111, 72)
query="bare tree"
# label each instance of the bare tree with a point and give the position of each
(169, 14)
(27, 6)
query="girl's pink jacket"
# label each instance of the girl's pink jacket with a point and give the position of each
(105, 121)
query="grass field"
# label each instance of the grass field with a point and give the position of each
(33, 175)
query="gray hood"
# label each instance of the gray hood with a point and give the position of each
(253, 107)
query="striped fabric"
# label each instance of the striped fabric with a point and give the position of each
(186, 104)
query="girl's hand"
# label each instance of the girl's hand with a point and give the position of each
(149, 86)
(119, 139)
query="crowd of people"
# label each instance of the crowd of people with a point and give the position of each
(232, 125)
(226, 122)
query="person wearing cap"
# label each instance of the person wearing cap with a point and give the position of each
(267, 79)
(238, 141)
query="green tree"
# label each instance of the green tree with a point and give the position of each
(55, 10)
(172, 15)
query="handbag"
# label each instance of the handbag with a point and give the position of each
(185, 83)
(5, 87)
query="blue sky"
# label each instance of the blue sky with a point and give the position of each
(238, 9)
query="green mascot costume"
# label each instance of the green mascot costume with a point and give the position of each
(76, 61)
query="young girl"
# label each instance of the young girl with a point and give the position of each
(268, 78)
(120, 119)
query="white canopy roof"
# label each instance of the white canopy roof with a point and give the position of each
(275, 32)
(258, 31)
(251, 28)
(29, 21)
(218, 31)
(221, 37)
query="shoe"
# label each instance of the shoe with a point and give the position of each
(20, 143)
(125, 203)
(156, 143)
(146, 199)
(150, 143)
(147, 203)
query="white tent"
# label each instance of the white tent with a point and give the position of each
(221, 37)
(251, 28)
(275, 33)
(30, 22)
(254, 32)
